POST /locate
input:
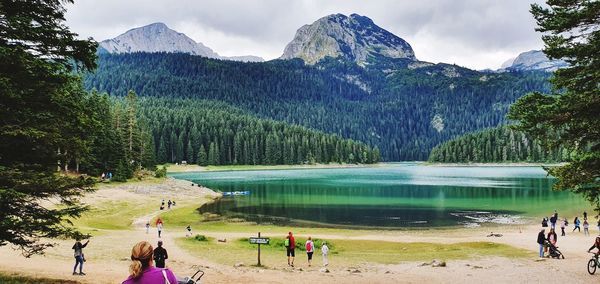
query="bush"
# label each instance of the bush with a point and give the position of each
(201, 238)
(161, 172)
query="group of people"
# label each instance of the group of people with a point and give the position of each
(564, 223)
(106, 176)
(290, 245)
(169, 204)
(548, 242)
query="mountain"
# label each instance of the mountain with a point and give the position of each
(157, 37)
(355, 38)
(533, 60)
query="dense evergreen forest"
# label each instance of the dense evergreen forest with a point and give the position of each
(402, 107)
(497, 145)
(213, 133)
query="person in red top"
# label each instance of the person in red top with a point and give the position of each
(291, 246)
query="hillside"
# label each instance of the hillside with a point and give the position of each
(405, 110)
(497, 145)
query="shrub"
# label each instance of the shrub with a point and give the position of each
(161, 172)
(201, 238)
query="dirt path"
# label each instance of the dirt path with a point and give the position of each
(108, 252)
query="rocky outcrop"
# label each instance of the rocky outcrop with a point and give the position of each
(355, 38)
(158, 37)
(534, 60)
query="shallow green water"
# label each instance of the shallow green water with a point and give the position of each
(395, 195)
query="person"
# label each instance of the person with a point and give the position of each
(160, 255)
(552, 238)
(169, 204)
(584, 215)
(158, 221)
(325, 252)
(310, 249)
(103, 176)
(586, 227)
(596, 245)
(576, 223)
(147, 227)
(563, 224)
(545, 222)
(290, 245)
(553, 221)
(173, 203)
(159, 227)
(540, 241)
(141, 269)
(162, 203)
(79, 257)
(189, 231)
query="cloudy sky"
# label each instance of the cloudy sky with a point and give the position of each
(477, 34)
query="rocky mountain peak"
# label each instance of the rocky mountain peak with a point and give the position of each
(157, 37)
(534, 60)
(355, 37)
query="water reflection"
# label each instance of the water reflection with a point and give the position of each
(395, 196)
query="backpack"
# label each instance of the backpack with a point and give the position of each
(287, 242)
(309, 246)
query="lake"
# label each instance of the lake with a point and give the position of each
(394, 195)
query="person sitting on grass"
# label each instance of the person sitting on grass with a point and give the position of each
(142, 270)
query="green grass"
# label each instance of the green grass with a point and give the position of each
(113, 215)
(16, 279)
(348, 252)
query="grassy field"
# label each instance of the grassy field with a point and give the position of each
(348, 252)
(16, 279)
(113, 215)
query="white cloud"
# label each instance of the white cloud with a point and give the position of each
(473, 33)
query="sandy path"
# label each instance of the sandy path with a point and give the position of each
(108, 253)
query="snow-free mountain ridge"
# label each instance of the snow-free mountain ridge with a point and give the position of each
(355, 38)
(157, 37)
(533, 60)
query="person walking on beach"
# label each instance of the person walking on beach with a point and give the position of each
(576, 223)
(290, 245)
(310, 249)
(79, 257)
(325, 252)
(553, 221)
(586, 228)
(189, 231)
(160, 255)
(141, 269)
(147, 227)
(540, 240)
(563, 224)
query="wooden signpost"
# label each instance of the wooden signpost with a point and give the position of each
(259, 241)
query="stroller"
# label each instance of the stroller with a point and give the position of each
(553, 251)
(191, 279)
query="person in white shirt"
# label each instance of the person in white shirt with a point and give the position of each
(325, 251)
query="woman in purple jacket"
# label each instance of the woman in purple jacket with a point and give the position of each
(142, 268)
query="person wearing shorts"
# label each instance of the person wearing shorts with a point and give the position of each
(290, 248)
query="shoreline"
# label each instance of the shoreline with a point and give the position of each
(525, 164)
(358, 256)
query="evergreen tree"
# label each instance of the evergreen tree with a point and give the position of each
(571, 33)
(44, 120)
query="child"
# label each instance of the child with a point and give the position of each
(325, 251)
(586, 227)
(189, 231)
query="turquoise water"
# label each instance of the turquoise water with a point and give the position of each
(390, 196)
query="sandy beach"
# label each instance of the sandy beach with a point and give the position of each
(109, 249)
